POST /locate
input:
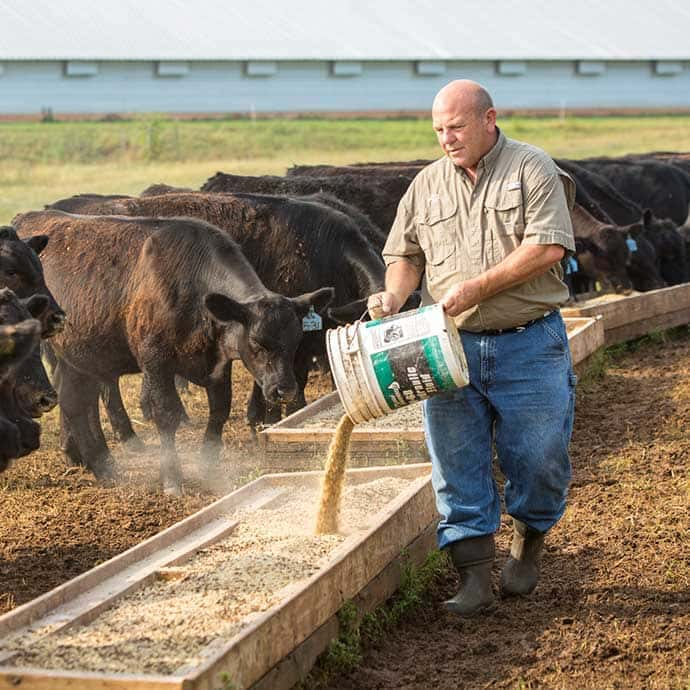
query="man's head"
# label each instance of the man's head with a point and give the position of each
(464, 119)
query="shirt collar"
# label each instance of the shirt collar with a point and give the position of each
(489, 159)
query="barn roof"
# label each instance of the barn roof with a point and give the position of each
(344, 30)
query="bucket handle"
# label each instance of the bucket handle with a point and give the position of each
(352, 345)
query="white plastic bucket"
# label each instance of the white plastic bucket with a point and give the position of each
(380, 366)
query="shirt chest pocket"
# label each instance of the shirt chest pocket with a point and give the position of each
(504, 211)
(437, 230)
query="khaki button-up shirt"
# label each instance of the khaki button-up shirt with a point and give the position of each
(455, 229)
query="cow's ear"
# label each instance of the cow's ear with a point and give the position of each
(647, 217)
(38, 243)
(7, 233)
(633, 229)
(319, 299)
(17, 341)
(37, 305)
(224, 308)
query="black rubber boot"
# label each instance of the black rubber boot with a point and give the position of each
(521, 572)
(472, 559)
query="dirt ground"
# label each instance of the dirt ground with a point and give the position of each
(613, 607)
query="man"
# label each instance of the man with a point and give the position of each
(488, 224)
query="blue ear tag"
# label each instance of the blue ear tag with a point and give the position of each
(312, 321)
(632, 245)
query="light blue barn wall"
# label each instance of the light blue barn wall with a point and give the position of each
(27, 87)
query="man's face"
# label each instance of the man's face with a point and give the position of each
(464, 135)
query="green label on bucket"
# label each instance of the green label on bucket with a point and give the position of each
(437, 364)
(413, 371)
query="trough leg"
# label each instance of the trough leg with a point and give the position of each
(167, 411)
(219, 395)
(78, 396)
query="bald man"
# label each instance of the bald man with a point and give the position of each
(487, 226)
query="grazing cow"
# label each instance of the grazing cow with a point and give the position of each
(377, 197)
(21, 271)
(601, 251)
(656, 185)
(163, 296)
(607, 204)
(295, 246)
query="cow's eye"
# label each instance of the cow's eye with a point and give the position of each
(10, 272)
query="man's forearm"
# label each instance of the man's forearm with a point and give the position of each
(402, 279)
(526, 262)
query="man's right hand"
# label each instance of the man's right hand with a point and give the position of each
(382, 304)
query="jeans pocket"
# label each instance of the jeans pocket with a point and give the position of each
(561, 340)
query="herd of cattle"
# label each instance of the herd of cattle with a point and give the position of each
(177, 282)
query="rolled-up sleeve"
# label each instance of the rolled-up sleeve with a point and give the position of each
(549, 196)
(402, 243)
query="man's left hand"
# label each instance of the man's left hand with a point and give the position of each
(461, 297)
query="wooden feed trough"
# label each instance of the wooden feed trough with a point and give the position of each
(54, 642)
(397, 438)
(631, 316)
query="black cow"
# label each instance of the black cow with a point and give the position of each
(679, 159)
(164, 297)
(601, 250)
(295, 246)
(20, 333)
(598, 196)
(377, 197)
(21, 271)
(651, 184)
(666, 263)
(21, 275)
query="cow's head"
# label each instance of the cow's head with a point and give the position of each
(21, 271)
(21, 367)
(643, 264)
(265, 334)
(670, 247)
(604, 257)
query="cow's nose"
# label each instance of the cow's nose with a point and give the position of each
(286, 394)
(47, 401)
(57, 320)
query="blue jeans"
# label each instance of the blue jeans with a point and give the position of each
(520, 400)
